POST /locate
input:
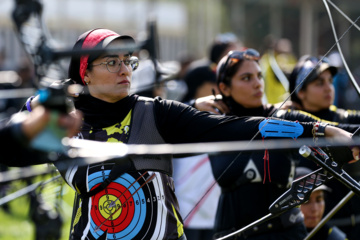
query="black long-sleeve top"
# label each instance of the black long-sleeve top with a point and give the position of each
(16, 151)
(176, 123)
(247, 191)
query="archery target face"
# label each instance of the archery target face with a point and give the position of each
(126, 217)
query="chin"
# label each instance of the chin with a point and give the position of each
(259, 104)
(311, 225)
(123, 91)
(326, 106)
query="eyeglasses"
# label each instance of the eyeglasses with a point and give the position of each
(236, 56)
(113, 64)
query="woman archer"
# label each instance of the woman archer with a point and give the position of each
(135, 199)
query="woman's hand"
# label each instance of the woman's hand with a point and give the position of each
(343, 136)
(211, 104)
(71, 122)
(38, 119)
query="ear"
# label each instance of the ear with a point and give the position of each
(224, 89)
(301, 95)
(87, 76)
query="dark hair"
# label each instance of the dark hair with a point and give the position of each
(221, 43)
(73, 72)
(217, 51)
(196, 77)
(230, 72)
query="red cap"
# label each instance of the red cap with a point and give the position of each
(89, 40)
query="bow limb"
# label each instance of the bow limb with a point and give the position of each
(344, 15)
(257, 222)
(345, 65)
(339, 47)
(353, 81)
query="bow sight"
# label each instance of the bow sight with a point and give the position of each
(331, 167)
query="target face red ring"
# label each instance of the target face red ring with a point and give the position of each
(126, 217)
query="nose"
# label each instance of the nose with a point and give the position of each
(314, 206)
(124, 69)
(328, 86)
(258, 82)
(328, 83)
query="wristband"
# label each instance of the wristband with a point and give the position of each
(28, 103)
(318, 130)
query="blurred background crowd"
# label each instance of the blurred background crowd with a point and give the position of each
(283, 29)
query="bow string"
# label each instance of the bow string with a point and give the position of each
(265, 218)
(39, 49)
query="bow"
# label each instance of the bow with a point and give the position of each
(49, 57)
(266, 218)
(353, 81)
(302, 188)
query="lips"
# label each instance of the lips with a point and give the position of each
(124, 82)
(258, 94)
(313, 219)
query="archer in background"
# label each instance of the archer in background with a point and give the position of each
(312, 83)
(254, 181)
(313, 211)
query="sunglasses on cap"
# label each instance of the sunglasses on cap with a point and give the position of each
(235, 56)
(308, 71)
